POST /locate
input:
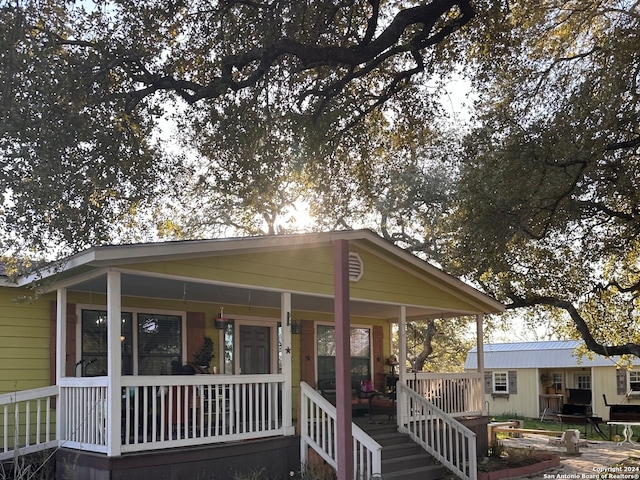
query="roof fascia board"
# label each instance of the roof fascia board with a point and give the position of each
(447, 283)
(69, 282)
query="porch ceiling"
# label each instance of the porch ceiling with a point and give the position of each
(181, 290)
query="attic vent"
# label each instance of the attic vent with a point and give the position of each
(355, 267)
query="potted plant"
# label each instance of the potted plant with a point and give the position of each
(547, 383)
(203, 356)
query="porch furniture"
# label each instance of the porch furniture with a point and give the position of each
(359, 398)
(627, 430)
(382, 404)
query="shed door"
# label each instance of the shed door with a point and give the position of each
(254, 350)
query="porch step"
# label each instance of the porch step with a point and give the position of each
(402, 458)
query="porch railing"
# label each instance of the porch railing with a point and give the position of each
(28, 421)
(458, 394)
(165, 412)
(318, 431)
(450, 442)
(83, 413)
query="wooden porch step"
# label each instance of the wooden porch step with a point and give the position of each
(431, 472)
(402, 458)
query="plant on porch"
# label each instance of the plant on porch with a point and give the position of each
(204, 355)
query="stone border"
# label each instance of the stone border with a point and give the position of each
(549, 461)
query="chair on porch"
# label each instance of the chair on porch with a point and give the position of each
(359, 397)
(384, 403)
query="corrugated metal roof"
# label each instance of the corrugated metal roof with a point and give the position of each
(550, 354)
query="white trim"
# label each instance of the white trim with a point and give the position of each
(493, 382)
(316, 324)
(252, 321)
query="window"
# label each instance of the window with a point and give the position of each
(155, 349)
(634, 380)
(94, 344)
(500, 382)
(360, 353)
(583, 381)
(159, 344)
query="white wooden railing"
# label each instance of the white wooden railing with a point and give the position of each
(450, 442)
(318, 431)
(28, 421)
(166, 412)
(83, 413)
(458, 394)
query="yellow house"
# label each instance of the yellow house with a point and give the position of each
(535, 379)
(95, 351)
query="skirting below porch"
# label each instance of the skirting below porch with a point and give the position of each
(276, 457)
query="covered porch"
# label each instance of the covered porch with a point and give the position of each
(277, 297)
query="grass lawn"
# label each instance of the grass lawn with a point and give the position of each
(549, 424)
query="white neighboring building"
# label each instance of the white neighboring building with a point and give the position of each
(526, 378)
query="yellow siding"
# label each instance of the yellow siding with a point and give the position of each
(521, 404)
(603, 381)
(24, 341)
(311, 270)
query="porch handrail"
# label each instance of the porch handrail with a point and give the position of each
(441, 435)
(28, 421)
(458, 394)
(318, 431)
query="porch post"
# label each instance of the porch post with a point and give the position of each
(61, 333)
(343, 359)
(114, 364)
(402, 361)
(480, 350)
(61, 354)
(287, 370)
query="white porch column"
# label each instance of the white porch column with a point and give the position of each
(114, 364)
(402, 361)
(287, 370)
(61, 333)
(480, 350)
(61, 356)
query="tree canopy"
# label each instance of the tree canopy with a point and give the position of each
(338, 104)
(547, 212)
(86, 83)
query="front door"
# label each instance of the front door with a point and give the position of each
(255, 349)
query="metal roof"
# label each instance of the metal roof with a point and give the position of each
(552, 354)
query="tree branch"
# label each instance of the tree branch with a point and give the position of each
(581, 325)
(358, 59)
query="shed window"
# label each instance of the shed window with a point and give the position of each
(634, 380)
(500, 382)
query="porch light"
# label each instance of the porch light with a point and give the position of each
(221, 321)
(294, 324)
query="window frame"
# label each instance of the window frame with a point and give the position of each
(369, 328)
(494, 382)
(580, 385)
(134, 311)
(630, 382)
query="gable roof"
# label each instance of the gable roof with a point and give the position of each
(90, 261)
(551, 354)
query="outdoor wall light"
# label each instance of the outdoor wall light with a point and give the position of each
(294, 324)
